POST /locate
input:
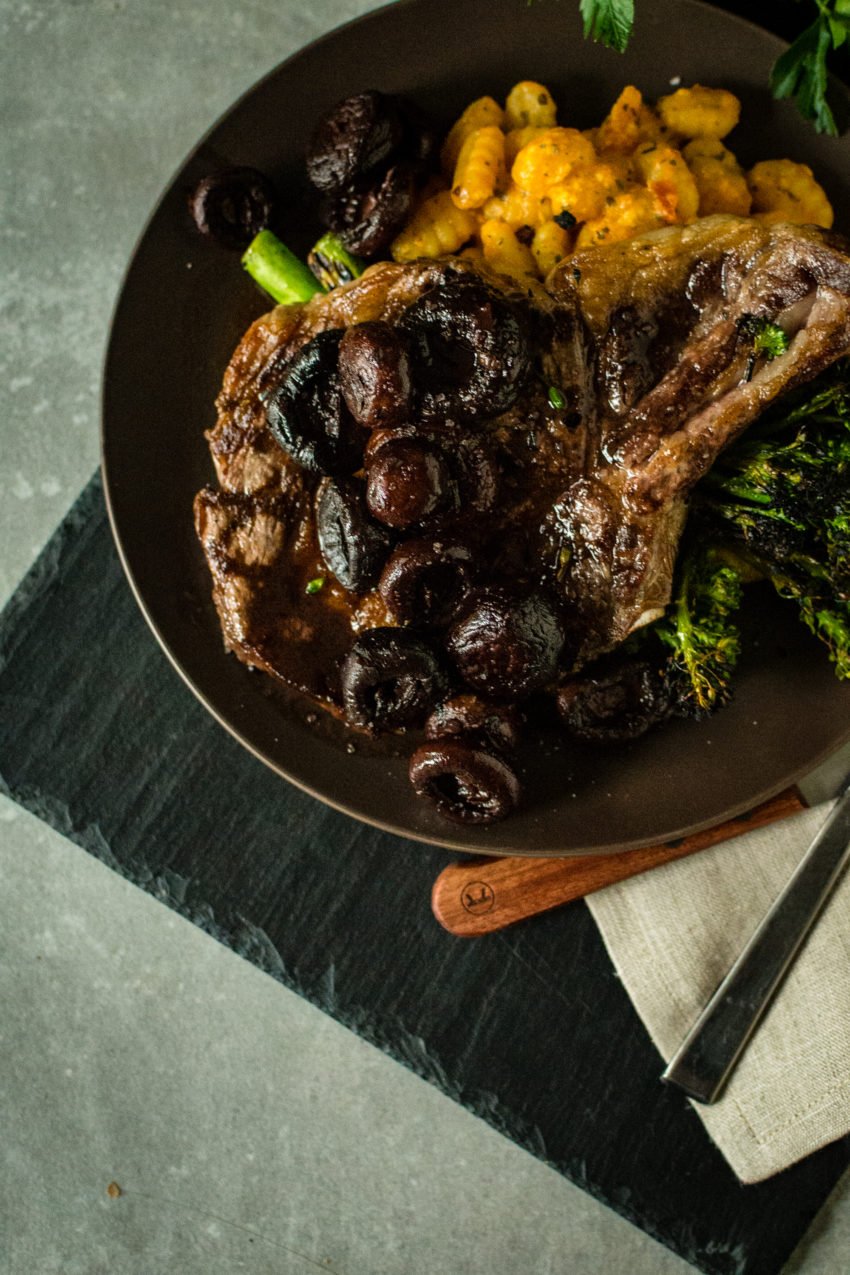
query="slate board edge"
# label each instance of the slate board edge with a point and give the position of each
(42, 574)
(253, 944)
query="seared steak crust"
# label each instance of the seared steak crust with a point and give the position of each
(672, 354)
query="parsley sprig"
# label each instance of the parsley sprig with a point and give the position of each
(609, 21)
(799, 74)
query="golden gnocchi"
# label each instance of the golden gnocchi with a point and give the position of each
(700, 111)
(437, 227)
(522, 190)
(481, 159)
(530, 105)
(720, 179)
(785, 191)
(479, 114)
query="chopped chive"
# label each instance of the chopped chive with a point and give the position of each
(556, 397)
(313, 586)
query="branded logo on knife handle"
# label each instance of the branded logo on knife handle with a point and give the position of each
(477, 897)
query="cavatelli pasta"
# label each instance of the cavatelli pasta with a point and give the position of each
(700, 111)
(632, 213)
(525, 191)
(530, 105)
(518, 208)
(621, 128)
(664, 171)
(479, 114)
(481, 158)
(551, 243)
(437, 227)
(504, 252)
(720, 180)
(785, 191)
(550, 158)
(585, 194)
(515, 139)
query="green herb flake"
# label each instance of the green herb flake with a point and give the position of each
(315, 585)
(556, 397)
(772, 341)
(768, 338)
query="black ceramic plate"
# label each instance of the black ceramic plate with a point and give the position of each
(184, 305)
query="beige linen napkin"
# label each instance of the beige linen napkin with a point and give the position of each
(672, 935)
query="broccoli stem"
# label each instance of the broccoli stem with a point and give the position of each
(278, 271)
(332, 263)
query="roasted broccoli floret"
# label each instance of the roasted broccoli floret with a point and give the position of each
(781, 497)
(700, 631)
(776, 506)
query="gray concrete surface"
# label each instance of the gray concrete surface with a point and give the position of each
(246, 1131)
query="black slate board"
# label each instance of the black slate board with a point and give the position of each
(531, 1030)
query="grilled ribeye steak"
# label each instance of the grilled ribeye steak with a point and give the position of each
(650, 345)
(669, 320)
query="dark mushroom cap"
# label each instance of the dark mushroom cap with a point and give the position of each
(354, 548)
(621, 701)
(465, 783)
(356, 136)
(426, 581)
(472, 349)
(233, 205)
(472, 716)
(374, 372)
(306, 412)
(368, 214)
(390, 679)
(407, 480)
(507, 647)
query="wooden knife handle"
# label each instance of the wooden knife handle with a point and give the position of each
(480, 896)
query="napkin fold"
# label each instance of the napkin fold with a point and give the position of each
(674, 932)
